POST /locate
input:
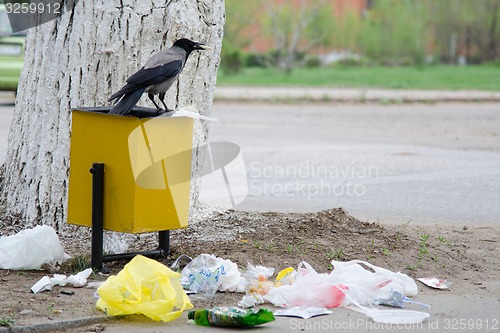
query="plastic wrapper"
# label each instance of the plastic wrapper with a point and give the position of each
(31, 248)
(258, 279)
(116, 242)
(398, 300)
(259, 284)
(251, 300)
(209, 274)
(181, 262)
(285, 276)
(144, 286)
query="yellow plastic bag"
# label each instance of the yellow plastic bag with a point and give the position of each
(144, 286)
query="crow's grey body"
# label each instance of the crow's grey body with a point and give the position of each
(155, 77)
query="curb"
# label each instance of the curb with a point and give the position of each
(319, 94)
(58, 325)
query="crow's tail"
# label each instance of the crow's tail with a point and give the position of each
(127, 102)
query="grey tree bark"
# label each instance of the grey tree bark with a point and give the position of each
(78, 60)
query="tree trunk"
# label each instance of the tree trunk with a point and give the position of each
(78, 60)
(492, 33)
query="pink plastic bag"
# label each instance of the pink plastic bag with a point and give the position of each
(310, 289)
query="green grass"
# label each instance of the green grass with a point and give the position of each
(77, 264)
(440, 77)
(6, 321)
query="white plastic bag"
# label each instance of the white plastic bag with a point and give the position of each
(31, 248)
(116, 242)
(367, 282)
(208, 273)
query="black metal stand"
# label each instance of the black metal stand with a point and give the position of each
(97, 256)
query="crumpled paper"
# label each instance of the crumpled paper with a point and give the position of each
(77, 280)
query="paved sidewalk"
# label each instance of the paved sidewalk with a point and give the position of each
(276, 94)
(280, 94)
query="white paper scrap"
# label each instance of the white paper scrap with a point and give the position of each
(304, 312)
(77, 281)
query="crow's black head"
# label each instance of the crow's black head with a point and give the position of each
(189, 46)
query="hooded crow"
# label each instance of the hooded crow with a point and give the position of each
(155, 77)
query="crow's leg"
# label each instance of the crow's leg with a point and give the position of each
(162, 97)
(152, 98)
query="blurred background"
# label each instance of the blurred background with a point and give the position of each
(411, 38)
(430, 133)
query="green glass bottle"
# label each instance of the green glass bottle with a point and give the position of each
(231, 317)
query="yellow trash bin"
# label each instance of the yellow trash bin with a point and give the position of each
(147, 169)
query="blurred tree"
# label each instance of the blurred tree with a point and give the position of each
(238, 33)
(394, 32)
(463, 28)
(296, 27)
(240, 16)
(346, 31)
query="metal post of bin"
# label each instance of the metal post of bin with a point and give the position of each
(97, 171)
(97, 256)
(164, 241)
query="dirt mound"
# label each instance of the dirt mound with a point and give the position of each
(280, 239)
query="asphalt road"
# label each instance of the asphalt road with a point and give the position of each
(428, 163)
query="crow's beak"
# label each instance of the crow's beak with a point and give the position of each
(201, 46)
